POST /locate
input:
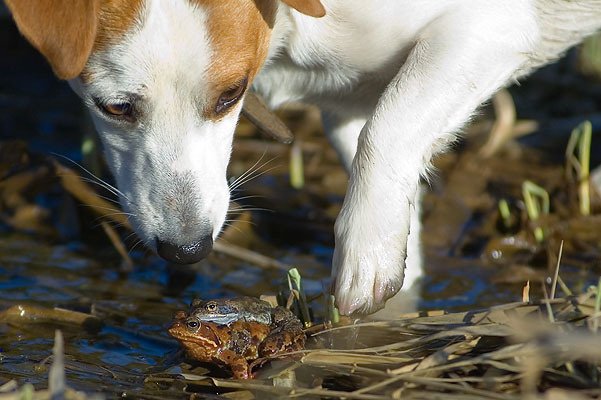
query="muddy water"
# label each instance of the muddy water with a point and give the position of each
(70, 264)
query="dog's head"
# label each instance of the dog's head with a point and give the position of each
(164, 81)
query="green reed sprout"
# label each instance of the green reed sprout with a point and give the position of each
(537, 203)
(294, 283)
(578, 159)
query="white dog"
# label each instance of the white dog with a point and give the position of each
(396, 80)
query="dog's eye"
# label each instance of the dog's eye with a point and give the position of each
(231, 96)
(120, 110)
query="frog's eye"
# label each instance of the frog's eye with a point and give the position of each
(192, 324)
(211, 307)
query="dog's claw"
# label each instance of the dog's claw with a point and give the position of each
(385, 290)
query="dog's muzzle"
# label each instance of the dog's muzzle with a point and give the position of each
(185, 254)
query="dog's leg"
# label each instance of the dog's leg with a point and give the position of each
(456, 64)
(408, 298)
(343, 134)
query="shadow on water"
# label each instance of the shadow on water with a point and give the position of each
(67, 262)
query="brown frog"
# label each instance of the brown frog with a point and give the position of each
(234, 332)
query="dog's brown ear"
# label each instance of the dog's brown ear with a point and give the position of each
(62, 30)
(313, 8)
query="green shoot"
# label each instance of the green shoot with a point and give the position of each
(333, 313)
(294, 283)
(505, 213)
(580, 143)
(537, 203)
(297, 174)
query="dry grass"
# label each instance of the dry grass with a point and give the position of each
(547, 349)
(543, 349)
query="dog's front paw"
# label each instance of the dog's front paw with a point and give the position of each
(369, 259)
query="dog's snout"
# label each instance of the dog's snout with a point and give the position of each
(185, 254)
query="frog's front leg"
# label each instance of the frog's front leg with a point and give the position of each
(235, 362)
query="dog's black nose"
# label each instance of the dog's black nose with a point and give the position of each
(185, 254)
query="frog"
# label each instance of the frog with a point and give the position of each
(236, 332)
(226, 311)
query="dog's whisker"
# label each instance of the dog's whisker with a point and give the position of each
(249, 169)
(109, 199)
(113, 224)
(253, 172)
(100, 181)
(251, 177)
(232, 226)
(241, 209)
(233, 221)
(129, 236)
(132, 248)
(246, 198)
(115, 211)
(110, 189)
(96, 183)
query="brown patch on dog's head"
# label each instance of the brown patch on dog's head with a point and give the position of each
(239, 33)
(115, 19)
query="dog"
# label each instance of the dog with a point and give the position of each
(396, 80)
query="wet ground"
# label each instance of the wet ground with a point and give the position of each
(54, 253)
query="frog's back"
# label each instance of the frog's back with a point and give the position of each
(228, 311)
